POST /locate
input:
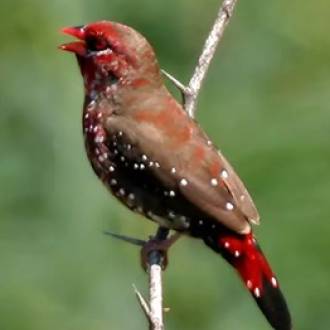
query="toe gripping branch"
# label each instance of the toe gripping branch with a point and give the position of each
(153, 251)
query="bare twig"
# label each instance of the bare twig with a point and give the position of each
(207, 54)
(191, 92)
(156, 296)
(154, 310)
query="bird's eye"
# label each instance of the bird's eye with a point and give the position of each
(96, 44)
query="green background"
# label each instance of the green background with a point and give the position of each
(265, 102)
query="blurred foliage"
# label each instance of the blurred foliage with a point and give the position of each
(265, 102)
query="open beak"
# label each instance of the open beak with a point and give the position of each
(77, 47)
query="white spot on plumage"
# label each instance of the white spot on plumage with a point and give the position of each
(99, 139)
(172, 193)
(257, 292)
(129, 147)
(131, 196)
(135, 166)
(151, 164)
(173, 170)
(200, 222)
(209, 142)
(120, 133)
(249, 284)
(224, 174)
(111, 168)
(122, 192)
(144, 157)
(229, 206)
(142, 167)
(214, 182)
(186, 224)
(183, 182)
(171, 214)
(91, 105)
(237, 254)
(93, 94)
(274, 282)
(227, 245)
(113, 182)
(122, 158)
(99, 115)
(157, 164)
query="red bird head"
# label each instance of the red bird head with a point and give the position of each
(108, 51)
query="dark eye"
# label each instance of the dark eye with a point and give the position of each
(96, 44)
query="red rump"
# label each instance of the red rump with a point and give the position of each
(245, 255)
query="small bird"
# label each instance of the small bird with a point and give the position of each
(158, 161)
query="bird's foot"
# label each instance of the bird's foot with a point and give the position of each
(154, 251)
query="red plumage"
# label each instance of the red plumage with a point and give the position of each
(157, 161)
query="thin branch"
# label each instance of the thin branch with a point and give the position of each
(191, 92)
(155, 262)
(156, 295)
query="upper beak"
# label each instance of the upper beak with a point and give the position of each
(77, 47)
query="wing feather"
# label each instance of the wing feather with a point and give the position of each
(195, 168)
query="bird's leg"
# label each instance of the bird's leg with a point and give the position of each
(154, 251)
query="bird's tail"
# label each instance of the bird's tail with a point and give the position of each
(245, 255)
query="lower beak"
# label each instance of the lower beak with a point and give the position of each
(77, 47)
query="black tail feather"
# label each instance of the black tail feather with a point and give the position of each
(274, 307)
(267, 294)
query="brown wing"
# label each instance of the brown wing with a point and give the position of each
(189, 164)
(239, 192)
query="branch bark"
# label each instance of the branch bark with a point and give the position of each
(154, 310)
(210, 46)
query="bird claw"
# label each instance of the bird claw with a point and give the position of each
(155, 250)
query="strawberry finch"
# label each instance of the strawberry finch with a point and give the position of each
(157, 160)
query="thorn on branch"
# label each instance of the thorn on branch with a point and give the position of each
(178, 84)
(142, 302)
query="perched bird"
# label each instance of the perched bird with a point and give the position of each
(157, 160)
